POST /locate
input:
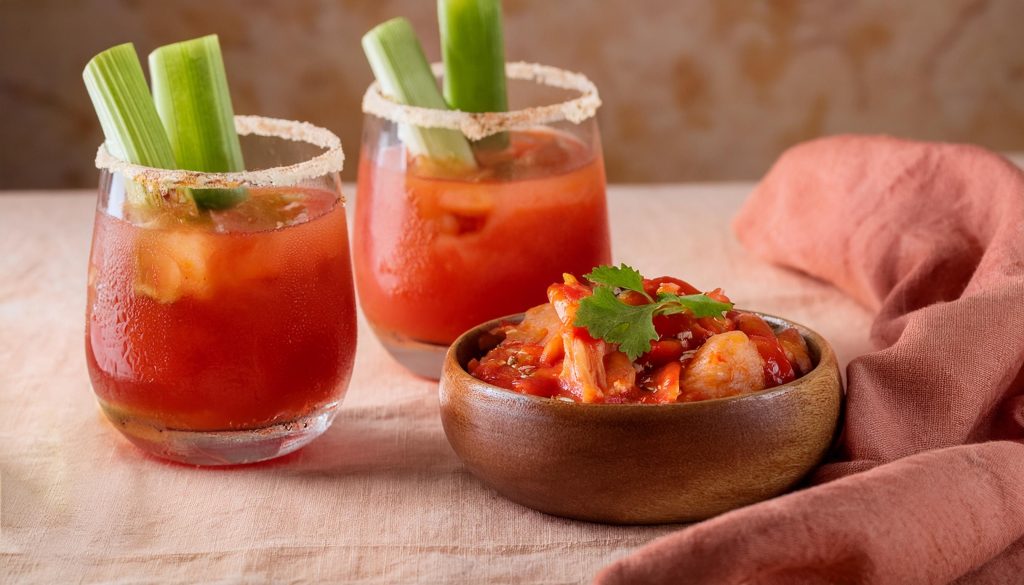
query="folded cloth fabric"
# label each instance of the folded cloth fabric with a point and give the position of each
(927, 483)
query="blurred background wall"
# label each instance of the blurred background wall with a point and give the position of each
(694, 90)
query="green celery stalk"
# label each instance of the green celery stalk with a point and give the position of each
(401, 68)
(473, 50)
(190, 88)
(124, 106)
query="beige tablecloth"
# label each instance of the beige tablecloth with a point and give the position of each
(380, 498)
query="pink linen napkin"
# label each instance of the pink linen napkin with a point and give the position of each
(927, 483)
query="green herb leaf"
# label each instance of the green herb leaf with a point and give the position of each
(131, 126)
(698, 305)
(624, 277)
(190, 88)
(398, 63)
(473, 51)
(608, 318)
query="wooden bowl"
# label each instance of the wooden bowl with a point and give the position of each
(640, 463)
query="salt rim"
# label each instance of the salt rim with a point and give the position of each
(330, 161)
(480, 125)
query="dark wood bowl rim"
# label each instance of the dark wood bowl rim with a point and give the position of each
(820, 350)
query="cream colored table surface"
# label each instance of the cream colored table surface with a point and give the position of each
(380, 498)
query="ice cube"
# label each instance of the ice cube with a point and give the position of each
(170, 264)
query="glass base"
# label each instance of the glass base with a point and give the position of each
(420, 358)
(224, 447)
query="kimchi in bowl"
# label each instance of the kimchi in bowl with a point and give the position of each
(639, 463)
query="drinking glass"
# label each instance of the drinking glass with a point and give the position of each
(218, 336)
(437, 252)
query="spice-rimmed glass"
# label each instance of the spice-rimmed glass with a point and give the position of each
(217, 337)
(436, 253)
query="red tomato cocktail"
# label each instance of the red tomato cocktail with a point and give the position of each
(238, 321)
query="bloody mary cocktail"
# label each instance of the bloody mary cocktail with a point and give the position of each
(463, 217)
(223, 334)
(220, 322)
(240, 321)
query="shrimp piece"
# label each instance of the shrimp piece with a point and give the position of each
(583, 372)
(619, 373)
(540, 324)
(795, 347)
(565, 297)
(666, 379)
(553, 351)
(728, 364)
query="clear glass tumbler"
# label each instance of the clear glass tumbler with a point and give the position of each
(438, 251)
(223, 336)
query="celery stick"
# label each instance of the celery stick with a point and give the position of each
(190, 88)
(473, 50)
(124, 106)
(398, 62)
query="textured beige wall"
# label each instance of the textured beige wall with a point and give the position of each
(693, 90)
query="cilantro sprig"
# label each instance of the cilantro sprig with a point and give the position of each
(606, 317)
(624, 277)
